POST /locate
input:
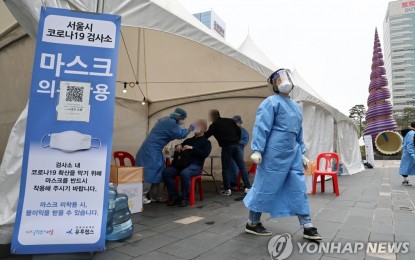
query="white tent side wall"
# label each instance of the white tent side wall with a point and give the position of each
(349, 149)
(130, 125)
(318, 128)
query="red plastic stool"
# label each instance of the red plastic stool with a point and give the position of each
(251, 171)
(122, 156)
(193, 181)
(327, 171)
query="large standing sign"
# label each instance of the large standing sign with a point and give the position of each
(370, 155)
(63, 199)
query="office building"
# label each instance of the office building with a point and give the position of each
(212, 21)
(399, 51)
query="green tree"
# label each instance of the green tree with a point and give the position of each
(404, 120)
(358, 113)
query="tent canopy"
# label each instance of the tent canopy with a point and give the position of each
(151, 52)
(201, 64)
(190, 70)
(175, 59)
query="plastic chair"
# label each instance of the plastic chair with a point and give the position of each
(122, 156)
(251, 171)
(193, 181)
(329, 157)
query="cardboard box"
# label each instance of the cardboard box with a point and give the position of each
(129, 181)
(309, 175)
(311, 168)
(126, 174)
(134, 191)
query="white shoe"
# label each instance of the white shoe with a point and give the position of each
(226, 192)
(246, 190)
(145, 200)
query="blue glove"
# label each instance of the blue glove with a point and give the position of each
(413, 156)
(192, 126)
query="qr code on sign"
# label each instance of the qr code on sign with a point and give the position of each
(74, 94)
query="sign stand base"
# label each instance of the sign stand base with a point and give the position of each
(71, 256)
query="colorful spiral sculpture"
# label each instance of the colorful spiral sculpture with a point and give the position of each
(379, 115)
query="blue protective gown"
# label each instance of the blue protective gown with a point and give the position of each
(244, 137)
(150, 154)
(279, 187)
(234, 167)
(408, 150)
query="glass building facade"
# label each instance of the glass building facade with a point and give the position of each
(205, 18)
(399, 53)
(212, 21)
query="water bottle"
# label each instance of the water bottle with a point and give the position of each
(112, 195)
(121, 222)
(121, 202)
(340, 169)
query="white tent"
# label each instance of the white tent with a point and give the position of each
(250, 49)
(177, 62)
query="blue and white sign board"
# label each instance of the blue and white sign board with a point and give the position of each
(66, 163)
(370, 154)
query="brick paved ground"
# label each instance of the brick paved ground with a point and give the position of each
(372, 206)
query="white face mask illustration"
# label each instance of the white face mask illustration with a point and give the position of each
(70, 141)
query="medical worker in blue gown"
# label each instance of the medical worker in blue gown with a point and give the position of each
(277, 144)
(150, 154)
(243, 142)
(407, 166)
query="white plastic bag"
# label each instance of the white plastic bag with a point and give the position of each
(10, 173)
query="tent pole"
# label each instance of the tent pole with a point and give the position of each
(336, 146)
(100, 6)
(148, 118)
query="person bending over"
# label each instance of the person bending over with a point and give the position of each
(228, 135)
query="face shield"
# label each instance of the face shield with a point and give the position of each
(281, 81)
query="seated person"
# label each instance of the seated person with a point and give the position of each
(188, 162)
